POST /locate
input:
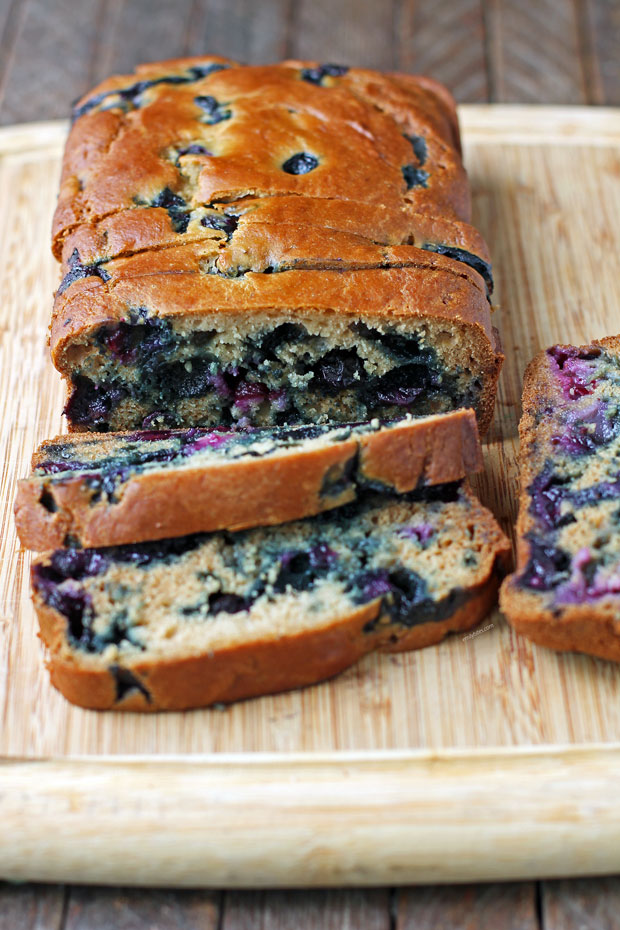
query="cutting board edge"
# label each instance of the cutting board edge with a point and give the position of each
(269, 821)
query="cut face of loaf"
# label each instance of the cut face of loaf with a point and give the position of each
(217, 617)
(566, 590)
(165, 343)
(268, 246)
(103, 490)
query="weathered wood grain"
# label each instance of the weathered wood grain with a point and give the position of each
(578, 904)
(140, 909)
(534, 52)
(130, 32)
(243, 29)
(601, 24)
(307, 910)
(50, 59)
(447, 40)
(347, 32)
(32, 907)
(467, 907)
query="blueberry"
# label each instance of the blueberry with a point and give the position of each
(130, 96)
(126, 682)
(194, 149)
(90, 404)
(77, 270)
(337, 371)
(300, 163)
(176, 208)
(284, 333)
(547, 492)
(420, 149)
(585, 433)
(414, 177)
(77, 563)
(221, 602)
(547, 566)
(299, 570)
(192, 378)
(316, 75)
(227, 222)
(468, 258)
(215, 111)
(401, 386)
(370, 585)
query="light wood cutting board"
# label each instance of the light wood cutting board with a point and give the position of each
(482, 758)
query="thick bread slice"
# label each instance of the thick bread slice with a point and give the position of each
(218, 617)
(565, 593)
(164, 338)
(129, 487)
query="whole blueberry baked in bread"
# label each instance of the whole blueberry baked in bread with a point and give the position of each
(104, 490)
(267, 246)
(566, 591)
(206, 618)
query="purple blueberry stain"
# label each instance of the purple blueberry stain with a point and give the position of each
(588, 429)
(573, 369)
(422, 532)
(194, 149)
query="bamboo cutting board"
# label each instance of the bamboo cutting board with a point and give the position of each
(481, 758)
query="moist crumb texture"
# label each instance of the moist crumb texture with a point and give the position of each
(566, 591)
(104, 489)
(268, 246)
(210, 617)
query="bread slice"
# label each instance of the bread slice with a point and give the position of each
(130, 487)
(565, 593)
(268, 246)
(217, 617)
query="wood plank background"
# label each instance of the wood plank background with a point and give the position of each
(535, 51)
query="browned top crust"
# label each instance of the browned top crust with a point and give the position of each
(210, 131)
(187, 184)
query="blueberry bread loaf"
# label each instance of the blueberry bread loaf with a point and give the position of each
(200, 619)
(566, 591)
(91, 490)
(268, 246)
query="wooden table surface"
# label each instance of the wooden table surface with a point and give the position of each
(526, 51)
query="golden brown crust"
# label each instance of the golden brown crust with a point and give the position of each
(277, 489)
(589, 628)
(283, 219)
(356, 124)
